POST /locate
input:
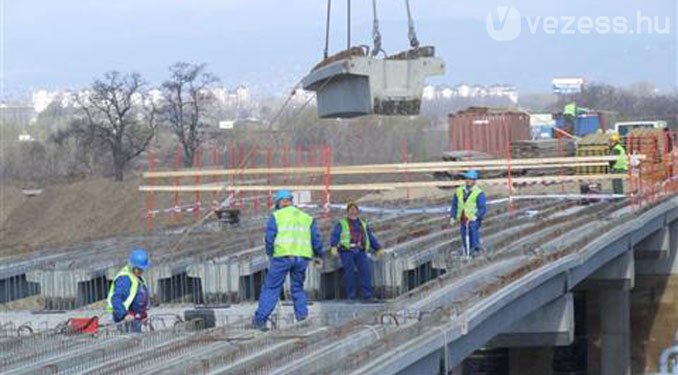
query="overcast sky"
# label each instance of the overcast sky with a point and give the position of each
(270, 44)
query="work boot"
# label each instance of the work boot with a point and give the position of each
(370, 300)
(259, 325)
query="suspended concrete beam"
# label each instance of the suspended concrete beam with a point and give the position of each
(551, 325)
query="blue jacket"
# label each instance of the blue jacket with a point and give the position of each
(482, 205)
(272, 231)
(139, 304)
(335, 236)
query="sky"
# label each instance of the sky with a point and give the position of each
(271, 44)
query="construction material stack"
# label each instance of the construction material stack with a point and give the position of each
(654, 144)
(545, 148)
(593, 145)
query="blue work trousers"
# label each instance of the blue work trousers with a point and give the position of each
(273, 283)
(352, 260)
(474, 229)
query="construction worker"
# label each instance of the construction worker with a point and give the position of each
(292, 239)
(468, 209)
(352, 239)
(570, 116)
(128, 294)
(620, 165)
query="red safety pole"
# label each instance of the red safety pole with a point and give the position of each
(328, 165)
(672, 138)
(300, 162)
(215, 164)
(404, 161)
(177, 181)
(149, 195)
(311, 162)
(232, 166)
(562, 172)
(269, 161)
(510, 169)
(241, 166)
(254, 150)
(197, 157)
(286, 161)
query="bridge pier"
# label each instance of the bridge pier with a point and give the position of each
(615, 332)
(612, 283)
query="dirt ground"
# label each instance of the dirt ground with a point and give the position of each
(71, 212)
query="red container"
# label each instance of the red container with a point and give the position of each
(84, 325)
(487, 130)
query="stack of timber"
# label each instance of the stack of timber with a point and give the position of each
(593, 145)
(546, 148)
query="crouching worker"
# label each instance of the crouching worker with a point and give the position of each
(128, 294)
(353, 239)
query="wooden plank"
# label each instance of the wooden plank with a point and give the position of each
(387, 168)
(374, 186)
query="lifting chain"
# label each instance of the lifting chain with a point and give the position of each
(414, 42)
(376, 35)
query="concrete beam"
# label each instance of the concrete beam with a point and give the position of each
(551, 325)
(618, 274)
(654, 246)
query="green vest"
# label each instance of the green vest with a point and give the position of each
(570, 109)
(125, 272)
(294, 233)
(471, 204)
(345, 239)
(622, 162)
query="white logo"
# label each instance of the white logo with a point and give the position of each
(504, 24)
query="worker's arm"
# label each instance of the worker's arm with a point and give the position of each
(123, 285)
(335, 235)
(453, 210)
(482, 207)
(374, 242)
(271, 232)
(317, 241)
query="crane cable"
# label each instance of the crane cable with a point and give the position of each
(348, 25)
(414, 42)
(376, 35)
(327, 30)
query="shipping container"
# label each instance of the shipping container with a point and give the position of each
(586, 124)
(487, 130)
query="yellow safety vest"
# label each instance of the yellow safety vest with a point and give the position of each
(622, 162)
(470, 206)
(345, 239)
(125, 272)
(294, 233)
(570, 109)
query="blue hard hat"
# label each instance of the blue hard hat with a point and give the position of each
(283, 194)
(471, 174)
(139, 259)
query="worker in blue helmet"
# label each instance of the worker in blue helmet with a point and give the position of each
(292, 239)
(468, 209)
(128, 295)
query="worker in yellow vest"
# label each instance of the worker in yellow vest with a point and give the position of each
(468, 209)
(620, 165)
(292, 239)
(352, 239)
(128, 295)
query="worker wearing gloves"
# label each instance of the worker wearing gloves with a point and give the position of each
(620, 165)
(468, 209)
(352, 239)
(128, 294)
(292, 239)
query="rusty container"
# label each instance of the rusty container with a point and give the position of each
(487, 130)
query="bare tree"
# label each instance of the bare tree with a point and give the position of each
(119, 115)
(188, 100)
